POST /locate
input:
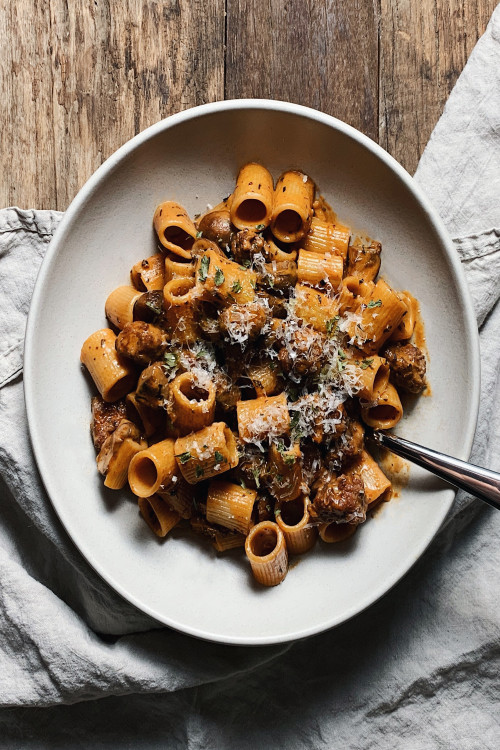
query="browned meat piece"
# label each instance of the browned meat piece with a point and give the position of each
(216, 226)
(363, 260)
(303, 354)
(246, 244)
(252, 467)
(278, 276)
(152, 386)
(221, 538)
(347, 446)
(311, 466)
(407, 363)
(317, 416)
(105, 419)
(149, 307)
(241, 323)
(141, 342)
(208, 320)
(109, 448)
(264, 509)
(339, 498)
(227, 393)
(277, 305)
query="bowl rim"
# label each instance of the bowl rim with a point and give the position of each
(472, 346)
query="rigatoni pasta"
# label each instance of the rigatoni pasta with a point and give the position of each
(240, 368)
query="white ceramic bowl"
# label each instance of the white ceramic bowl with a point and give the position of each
(193, 157)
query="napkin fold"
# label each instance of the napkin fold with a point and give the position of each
(418, 669)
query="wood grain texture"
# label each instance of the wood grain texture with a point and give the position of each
(83, 77)
(80, 78)
(424, 45)
(321, 54)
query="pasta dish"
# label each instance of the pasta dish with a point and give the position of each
(241, 366)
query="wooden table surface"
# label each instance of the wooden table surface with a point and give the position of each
(79, 78)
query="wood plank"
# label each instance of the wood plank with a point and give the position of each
(321, 54)
(84, 77)
(27, 151)
(424, 46)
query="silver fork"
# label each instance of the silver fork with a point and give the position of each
(482, 483)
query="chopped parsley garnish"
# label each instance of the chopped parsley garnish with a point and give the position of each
(242, 484)
(270, 281)
(255, 473)
(198, 235)
(199, 472)
(260, 227)
(245, 264)
(204, 266)
(289, 459)
(366, 363)
(219, 458)
(236, 288)
(277, 511)
(184, 457)
(341, 366)
(341, 354)
(170, 360)
(331, 325)
(219, 276)
(374, 303)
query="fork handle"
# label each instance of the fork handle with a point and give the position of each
(482, 483)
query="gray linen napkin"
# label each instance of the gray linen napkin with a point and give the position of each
(417, 670)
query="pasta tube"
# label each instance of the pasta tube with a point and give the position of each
(149, 419)
(174, 228)
(364, 259)
(176, 268)
(294, 521)
(262, 418)
(381, 312)
(116, 453)
(405, 329)
(387, 411)
(191, 404)
(221, 278)
(372, 376)
(119, 307)
(159, 517)
(323, 210)
(178, 297)
(292, 206)
(264, 376)
(252, 202)
(265, 548)
(179, 496)
(375, 481)
(274, 252)
(286, 471)
(315, 308)
(319, 269)
(112, 375)
(325, 237)
(205, 453)
(223, 542)
(230, 505)
(153, 469)
(336, 532)
(148, 275)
